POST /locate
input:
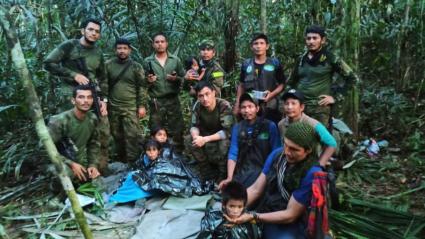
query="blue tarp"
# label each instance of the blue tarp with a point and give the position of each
(129, 191)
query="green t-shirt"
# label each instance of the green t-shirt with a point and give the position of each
(211, 122)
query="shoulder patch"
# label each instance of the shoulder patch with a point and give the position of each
(264, 135)
(217, 74)
(249, 69)
(269, 67)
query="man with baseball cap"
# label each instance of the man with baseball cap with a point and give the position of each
(293, 106)
(252, 140)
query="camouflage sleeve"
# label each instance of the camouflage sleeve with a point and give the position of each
(145, 66)
(195, 115)
(56, 128)
(93, 148)
(102, 79)
(141, 93)
(218, 77)
(53, 61)
(226, 117)
(345, 71)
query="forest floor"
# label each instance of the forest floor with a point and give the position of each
(385, 192)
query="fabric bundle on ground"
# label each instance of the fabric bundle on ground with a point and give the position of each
(159, 176)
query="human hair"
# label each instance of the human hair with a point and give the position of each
(235, 191)
(92, 20)
(151, 143)
(122, 41)
(202, 84)
(259, 35)
(189, 62)
(80, 87)
(155, 129)
(316, 29)
(159, 34)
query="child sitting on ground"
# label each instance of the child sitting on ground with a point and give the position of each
(234, 198)
(233, 204)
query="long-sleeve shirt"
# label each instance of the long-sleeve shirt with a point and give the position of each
(128, 92)
(83, 133)
(63, 62)
(163, 87)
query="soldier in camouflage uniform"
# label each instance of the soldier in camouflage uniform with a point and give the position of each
(66, 61)
(210, 132)
(79, 125)
(210, 69)
(127, 101)
(313, 72)
(164, 80)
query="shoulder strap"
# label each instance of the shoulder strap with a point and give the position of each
(114, 81)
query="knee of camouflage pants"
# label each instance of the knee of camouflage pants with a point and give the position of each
(214, 156)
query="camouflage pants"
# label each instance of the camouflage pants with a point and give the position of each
(211, 158)
(127, 134)
(104, 138)
(320, 113)
(167, 113)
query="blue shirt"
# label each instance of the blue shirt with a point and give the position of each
(275, 140)
(303, 193)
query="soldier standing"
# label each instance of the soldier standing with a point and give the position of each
(127, 101)
(164, 80)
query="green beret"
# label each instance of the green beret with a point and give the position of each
(302, 134)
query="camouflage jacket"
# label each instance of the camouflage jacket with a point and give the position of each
(63, 62)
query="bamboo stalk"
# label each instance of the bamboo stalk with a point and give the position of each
(37, 117)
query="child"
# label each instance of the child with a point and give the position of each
(160, 134)
(130, 190)
(152, 151)
(193, 70)
(234, 198)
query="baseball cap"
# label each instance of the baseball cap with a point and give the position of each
(293, 93)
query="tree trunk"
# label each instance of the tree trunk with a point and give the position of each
(352, 99)
(263, 16)
(401, 40)
(37, 117)
(231, 31)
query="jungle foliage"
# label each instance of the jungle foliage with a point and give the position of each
(382, 40)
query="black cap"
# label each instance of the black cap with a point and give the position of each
(248, 97)
(292, 93)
